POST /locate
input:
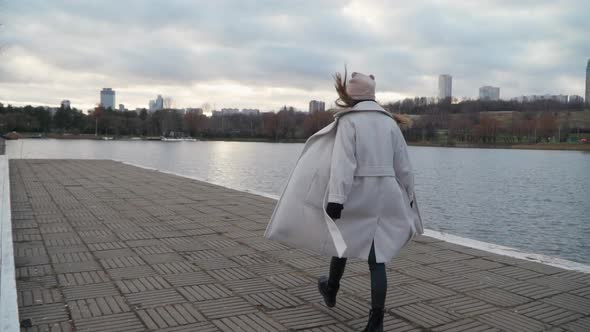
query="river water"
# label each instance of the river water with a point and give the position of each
(536, 201)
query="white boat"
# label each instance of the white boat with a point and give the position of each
(189, 139)
(107, 138)
(170, 139)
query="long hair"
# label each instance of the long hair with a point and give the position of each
(344, 100)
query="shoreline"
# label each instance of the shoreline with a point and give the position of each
(547, 146)
(450, 238)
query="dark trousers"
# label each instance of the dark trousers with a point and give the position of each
(378, 277)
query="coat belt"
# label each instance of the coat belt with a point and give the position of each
(374, 171)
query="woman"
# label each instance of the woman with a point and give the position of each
(355, 171)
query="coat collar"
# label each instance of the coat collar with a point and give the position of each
(363, 106)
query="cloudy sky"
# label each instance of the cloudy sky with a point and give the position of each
(265, 54)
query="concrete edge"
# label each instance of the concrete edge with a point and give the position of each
(9, 320)
(475, 244)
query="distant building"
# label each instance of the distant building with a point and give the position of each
(547, 97)
(66, 104)
(121, 108)
(588, 83)
(489, 93)
(575, 99)
(316, 106)
(107, 98)
(229, 111)
(215, 113)
(196, 111)
(250, 111)
(445, 86)
(157, 104)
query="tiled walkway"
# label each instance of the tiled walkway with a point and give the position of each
(103, 246)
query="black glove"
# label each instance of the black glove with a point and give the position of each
(334, 210)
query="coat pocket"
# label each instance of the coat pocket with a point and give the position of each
(317, 190)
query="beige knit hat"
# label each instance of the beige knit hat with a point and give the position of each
(361, 87)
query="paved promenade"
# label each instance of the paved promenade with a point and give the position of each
(103, 246)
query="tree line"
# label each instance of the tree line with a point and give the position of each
(477, 122)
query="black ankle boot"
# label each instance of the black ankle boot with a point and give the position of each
(328, 291)
(375, 323)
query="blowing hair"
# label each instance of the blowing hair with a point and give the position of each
(346, 101)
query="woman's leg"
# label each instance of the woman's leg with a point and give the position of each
(329, 286)
(378, 281)
(378, 292)
(337, 266)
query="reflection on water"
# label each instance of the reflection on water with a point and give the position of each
(532, 200)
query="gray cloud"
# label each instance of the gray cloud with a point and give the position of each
(285, 51)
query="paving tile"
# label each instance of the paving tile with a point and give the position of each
(167, 316)
(154, 298)
(498, 297)
(466, 325)
(547, 313)
(512, 322)
(90, 291)
(248, 323)
(190, 278)
(249, 286)
(426, 291)
(123, 322)
(44, 314)
(554, 282)
(152, 250)
(424, 315)
(204, 292)
(82, 278)
(390, 324)
(570, 302)
(142, 284)
(132, 272)
(48, 281)
(530, 290)
(290, 280)
(31, 260)
(225, 307)
(273, 300)
(175, 268)
(121, 262)
(38, 296)
(237, 273)
(303, 317)
(50, 327)
(96, 307)
(106, 246)
(581, 325)
(463, 306)
(115, 253)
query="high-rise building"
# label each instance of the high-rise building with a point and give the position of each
(588, 83)
(445, 86)
(316, 106)
(575, 99)
(107, 98)
(157, 104)
(229, 111)
(65, 103)
(121, 108)
(250, 111)
(489, 93)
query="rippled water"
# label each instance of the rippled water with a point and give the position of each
(537, 201)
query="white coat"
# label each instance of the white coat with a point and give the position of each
(360, 160)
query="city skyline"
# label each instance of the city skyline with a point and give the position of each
(283, 54)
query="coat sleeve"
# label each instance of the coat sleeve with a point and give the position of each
(343, 165)
(401, 164)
